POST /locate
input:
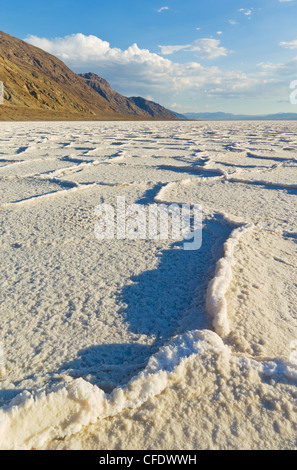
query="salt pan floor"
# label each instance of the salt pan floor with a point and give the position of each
(141, 344)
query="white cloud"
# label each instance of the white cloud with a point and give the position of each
(163, 9)
(279, 70)
(136, 71)
(247, 12)
(167, 50)
(78, 49)
(270, 67)
(205, 48)
(289, 45)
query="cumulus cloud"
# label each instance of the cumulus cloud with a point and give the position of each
(137, 71)
(205, 48)
(78, 50)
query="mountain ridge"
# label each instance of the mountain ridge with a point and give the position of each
(128, 105)
(35, 80)
(39, 86)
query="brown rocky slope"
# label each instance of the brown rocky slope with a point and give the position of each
(39, 86)
(36, 82)
(134, 106)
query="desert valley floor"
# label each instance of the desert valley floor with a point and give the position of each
(140, 344)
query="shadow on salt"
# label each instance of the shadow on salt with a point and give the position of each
(159, 304)
(289, 188)
(191, 170)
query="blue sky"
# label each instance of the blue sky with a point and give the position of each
(189, 55)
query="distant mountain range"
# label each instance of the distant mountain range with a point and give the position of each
(238, 117)
(38, 86)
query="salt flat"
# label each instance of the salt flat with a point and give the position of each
(178, 349)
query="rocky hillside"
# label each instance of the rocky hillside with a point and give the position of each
(133, 106)
(152, 109)
(37, 81)
(116, 100)
(38, 86)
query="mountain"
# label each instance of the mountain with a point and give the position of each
(241, 117)
(37, 83)
(180, 116)
(152, 109)
(39, 86)
(135, 105)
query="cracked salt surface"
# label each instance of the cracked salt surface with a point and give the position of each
(198, 343)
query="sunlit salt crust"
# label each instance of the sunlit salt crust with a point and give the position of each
(92, 329)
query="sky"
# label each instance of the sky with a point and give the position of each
(188, 55)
